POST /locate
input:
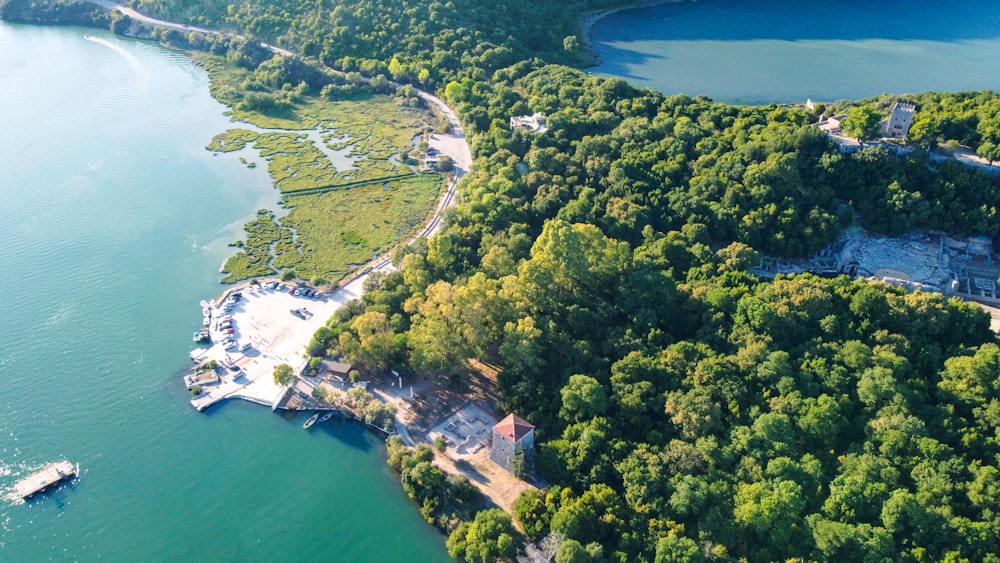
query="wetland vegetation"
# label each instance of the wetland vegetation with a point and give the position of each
(335, 231)
(339, 217)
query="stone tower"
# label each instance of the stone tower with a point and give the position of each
(510, 435)
(900, 120)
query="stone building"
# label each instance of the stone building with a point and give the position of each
(900, 121)
(510, 435)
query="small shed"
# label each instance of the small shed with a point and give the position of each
(338, 370)
(511, 435)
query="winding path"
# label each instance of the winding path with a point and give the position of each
(153, 22)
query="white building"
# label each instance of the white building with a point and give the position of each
(534, 123)
(900, 121)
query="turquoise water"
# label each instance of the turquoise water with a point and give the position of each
(761, 51)
(113, 222)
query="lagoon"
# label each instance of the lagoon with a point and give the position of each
(762, 51)
(113, 225)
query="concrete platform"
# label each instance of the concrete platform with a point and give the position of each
(263, 319)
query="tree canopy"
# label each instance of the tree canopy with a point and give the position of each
(862, 122)
(685, 408)
(283, 374)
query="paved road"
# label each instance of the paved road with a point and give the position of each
(112, 6)
(132, 13)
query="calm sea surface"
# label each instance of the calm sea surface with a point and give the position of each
(759, 51)
(113, 222)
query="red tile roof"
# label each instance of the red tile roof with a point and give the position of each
(513, 427)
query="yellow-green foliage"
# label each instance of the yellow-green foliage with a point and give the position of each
(225, 79)
(294, 162)
(339, 229)
(334, 231)
(371, 130)
(342, 217)
(232, 140)
(253, 260)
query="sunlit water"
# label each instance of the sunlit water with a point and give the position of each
(759, 51)
(113, 222)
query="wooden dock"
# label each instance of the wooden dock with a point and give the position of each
(44, 478)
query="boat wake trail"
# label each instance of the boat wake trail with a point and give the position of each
(132, 60)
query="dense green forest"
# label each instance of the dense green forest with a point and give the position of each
(686, 410)
(419, 41)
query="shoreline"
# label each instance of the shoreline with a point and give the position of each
(589, 18)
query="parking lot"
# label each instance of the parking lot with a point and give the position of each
(266, 326)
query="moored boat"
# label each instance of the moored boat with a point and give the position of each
(45, 477)
(312, 420)
(325, 417)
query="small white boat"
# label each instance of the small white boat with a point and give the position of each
(206, 321)
(312, 420)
